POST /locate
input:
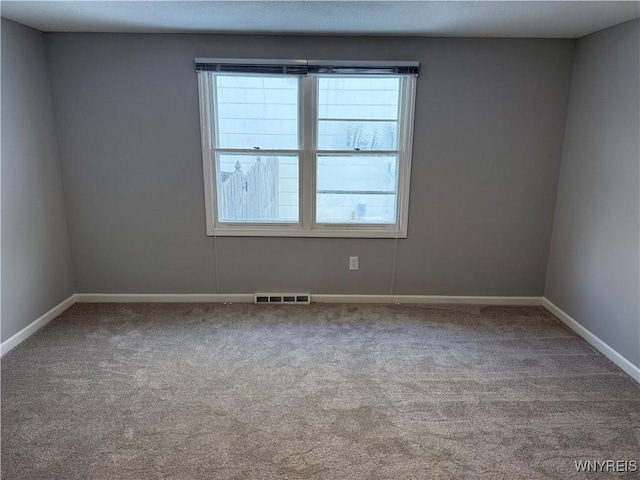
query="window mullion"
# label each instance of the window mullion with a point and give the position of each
(256, 151)
(308, 123)
(358, 152)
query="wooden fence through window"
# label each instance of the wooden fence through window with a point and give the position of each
(251, 196)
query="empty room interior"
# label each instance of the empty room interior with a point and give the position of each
(320, 240)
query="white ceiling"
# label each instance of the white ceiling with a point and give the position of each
(548, 19)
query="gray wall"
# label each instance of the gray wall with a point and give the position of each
(36, 261)
(488, 137)
(594, 262)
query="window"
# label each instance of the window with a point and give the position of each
(302, 148)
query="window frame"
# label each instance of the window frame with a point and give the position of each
(307, 166)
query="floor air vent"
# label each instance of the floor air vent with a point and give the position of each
(289, 298)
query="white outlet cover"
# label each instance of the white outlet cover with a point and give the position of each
(353, 263)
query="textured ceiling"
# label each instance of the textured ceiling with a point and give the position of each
(550, 19)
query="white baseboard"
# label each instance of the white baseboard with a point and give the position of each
(33, 327)
(628, 367)
(163, 298)
(426, 299)
(317, 298)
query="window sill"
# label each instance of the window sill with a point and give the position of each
(328, 233)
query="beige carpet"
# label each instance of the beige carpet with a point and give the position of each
(201, 391)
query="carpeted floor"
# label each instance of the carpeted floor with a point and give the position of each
(203, 391)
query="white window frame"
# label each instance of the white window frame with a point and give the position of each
(307, 125)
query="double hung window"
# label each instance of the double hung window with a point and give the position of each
(304, 148)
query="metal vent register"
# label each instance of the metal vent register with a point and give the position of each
(289, 298)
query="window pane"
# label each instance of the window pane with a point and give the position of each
(356, 188)
(358, 112)
(367, 98)
(257, 188)
(257, 111)
(365, 135)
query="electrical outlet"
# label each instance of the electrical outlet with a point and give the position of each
(353, 263)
